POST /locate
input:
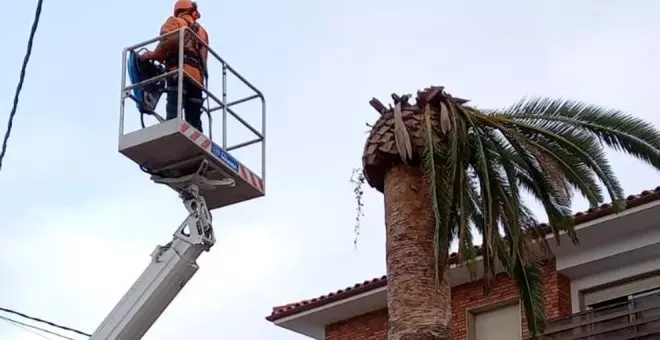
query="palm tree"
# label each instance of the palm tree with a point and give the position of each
(448, 170)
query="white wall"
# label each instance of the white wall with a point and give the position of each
(619, 246)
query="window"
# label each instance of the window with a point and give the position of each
(622, 310)
(499, 323)
(611, 303)
(619, 293)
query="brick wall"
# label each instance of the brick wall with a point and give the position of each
(470, 296)
(466, 297)
(370, 326)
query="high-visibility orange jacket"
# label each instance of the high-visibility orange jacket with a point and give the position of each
(196, 53)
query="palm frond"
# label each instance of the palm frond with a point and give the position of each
(441, 195)
(471, 218)
(532, 177)
(477, 162)
(529, 279)
(401, 135)
(587, 150)
(575, 173)
(618, 130)
(479, 165)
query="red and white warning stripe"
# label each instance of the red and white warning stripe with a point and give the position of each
(196, 136)
(251, 178)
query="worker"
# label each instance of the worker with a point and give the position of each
(195, 56)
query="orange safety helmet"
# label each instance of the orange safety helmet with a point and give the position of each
(186, 6)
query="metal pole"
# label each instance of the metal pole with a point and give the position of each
(263, 141)
(244, 144)
(170, 74)
(152, 40)
(123, 93)
(233, 114)
(236, 102)
(224, 105)
(208, 113)
(179, 95)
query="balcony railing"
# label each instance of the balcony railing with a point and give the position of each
(637, 319)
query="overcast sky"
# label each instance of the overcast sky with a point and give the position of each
(79, 220)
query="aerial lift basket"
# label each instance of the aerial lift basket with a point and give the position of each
(174, 149)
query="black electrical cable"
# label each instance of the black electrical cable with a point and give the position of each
(44, 321)
(12, 114)
(33, 328)
(33, 31)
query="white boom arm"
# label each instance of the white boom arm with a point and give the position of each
(170, 269)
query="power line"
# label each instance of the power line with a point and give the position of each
(19, 87)
(31, 328)
(25, 328)
(44, 321)
(12, 114)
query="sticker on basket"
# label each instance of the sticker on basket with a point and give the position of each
(225, 157)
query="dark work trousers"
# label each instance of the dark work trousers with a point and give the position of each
(192, 101)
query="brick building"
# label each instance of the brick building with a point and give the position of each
(608, 287)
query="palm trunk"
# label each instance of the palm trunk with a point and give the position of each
(419, 309)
